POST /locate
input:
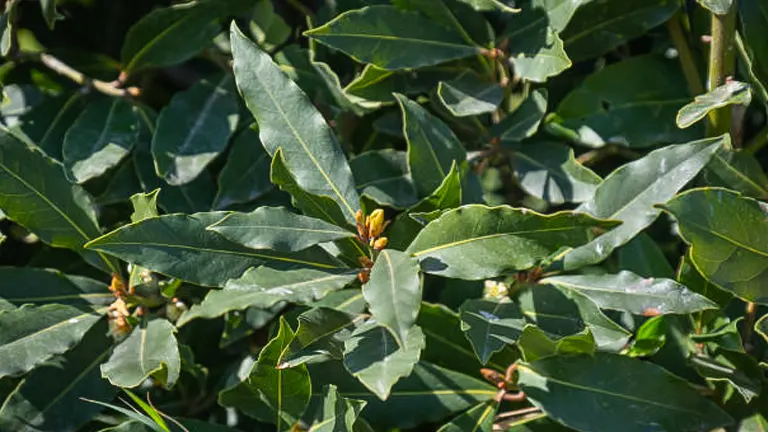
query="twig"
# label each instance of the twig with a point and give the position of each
(691, 72)
(78, 77)
(508, 414)
(721, 66)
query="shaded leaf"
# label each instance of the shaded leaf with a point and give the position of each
(477, 419)
(467, 96)
(739, 171)
(645, 258)
(478, 242)
(321, 335)
(719, 7)
(535, 344)
(489, 5)
(26, 285)
(335, 413)
(47, 124)
(489, 325)
(629, 193)
(374, 86)
(382, 175)
(754, 17)
(730, 93)
(761, 327)
(737, 369)
(536, 50)
(245, 176)
(524, 121)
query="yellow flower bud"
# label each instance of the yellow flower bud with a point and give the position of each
(380, 243)
(359, 218)
(375, 223)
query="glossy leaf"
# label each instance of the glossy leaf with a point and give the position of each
(391, 38)
(179, 245)
(321, 335)
(32, 335)
(150, 350)
(737, 369)
(739, 171)
(549, 171)
(268, 393)
(39, 198)
(278, 229)
(467, 96)
(26, 285)
(101, 136)
(730, 93)
(382, 175)
(393, 292)
(373, 356)
(478, 242)
(455, 15)
(628, 291)
(245, 176)
(553, 383)
(477, 419)
(336, 413)
(761, 327)
(292, 124)
(601, 25)
(263, 287)
(194, 128)
(524, 121)
(535, 344)
(729, 252)
(719, 7)
(490, 325)
(632, 103)
(629, 193)
(650, 338)
(536, 49)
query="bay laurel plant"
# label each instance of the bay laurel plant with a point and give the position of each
(375, 215)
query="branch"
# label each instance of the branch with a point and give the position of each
(721, 66)
(78, 77)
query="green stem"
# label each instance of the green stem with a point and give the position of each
(721, 66)
(687, 60)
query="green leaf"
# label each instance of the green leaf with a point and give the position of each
(477, 419)
(123, 182)
(393, 292)
(150, 350)
(468, 96)
(101, 136)
(739, 171)
(455, 15)
(755, 423)
(39, 197)
(761, 327)
(245, 176)
(48, 7)
(373, 356)
(631, 103)
(267, 27)
(271, 394)
(719, 7)
(534, 344)
(26, 285)
(599, 26)
(728, 251)
(321, 335)
(479, 242)
(194, 128)
(489, 325)
(536, 51)
(7, 34)
(264, 287)
(49, 398)
(170, 35)
(524, 121)
(291, 123)
(689, 276)
(489, 5)
(549, 171)
(730, 93)
(178, 245)
(391, 38)
(737, 369)
(278, 229)
(650, 338)
(32, 335)
(628, 291)
(374, 87)
(432, 146)
(428, 394)
(46, 124)
(383, 176)
(754, 17)
(629, 193)
(651, 396)
(335, 413)
(645, 258)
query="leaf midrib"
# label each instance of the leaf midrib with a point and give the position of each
(487, 237)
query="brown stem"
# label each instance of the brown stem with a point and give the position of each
(78, 77)
(515, 413)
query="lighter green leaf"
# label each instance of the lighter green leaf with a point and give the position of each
(489, 325)
(263, 287)
(27, 285)
(194, 129)
(31, 335)
(468, 96)
(101, 136)
(48, 7)
(761, 327)
(536, 50)
(489, 5)
(288, 121)
(320, 336)
(719, 7)
(479, 242)
(477, 419)
(625, 392)
(728, 239)
(629, 193)
(373, 356)
(628, 291)
(278, 229)
(730, 93)
(393, 292)
(524, 121)
(150, 350)
(391, 38)
(738, 369)
(336, 413)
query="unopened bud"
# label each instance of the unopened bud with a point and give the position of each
(380, 243)
(359, 218)
(375, 223)
(363, 276)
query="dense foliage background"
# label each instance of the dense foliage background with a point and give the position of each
(355, 215)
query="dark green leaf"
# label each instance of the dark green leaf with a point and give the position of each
(374, 87)
(336, 413)
(728, 251)
(50, 14)
(629, 193)
(245, 177)
(267, 27)
(524, 121)
(652, 396)
(194, 128)
(123, 183)
(26, 285)
(754, 17)
(719, 7)
(468, 96)
(477, 419)
(489, 325)
(644, 257)
(536, 50)
(534, 344)
(268, 393)
(730, 93)
(150, 350)
(47, 124)
(264, 287)
(373, 356)
(291, 123)
(737, 369)
(393, 292)
(391, 38)
(31, 335)
(101, 136)
(739, 171)
(179, 245)
(382, 175)
(761, 327)
(632, 103)
(320, 336)
(479, 242)
(455, 15)
(689, 276)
